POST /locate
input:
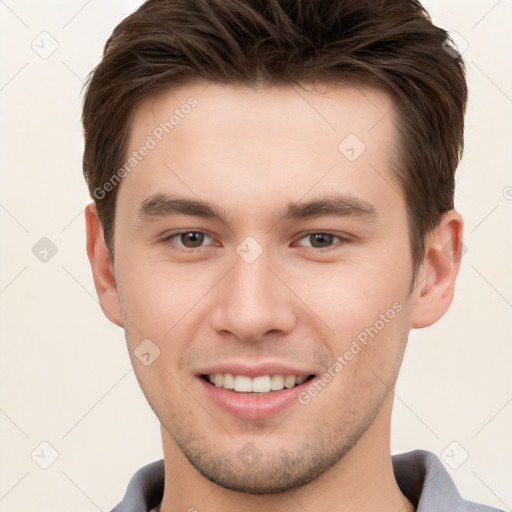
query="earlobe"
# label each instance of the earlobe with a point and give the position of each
(101, 265)
(435, 283)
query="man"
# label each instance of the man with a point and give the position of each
(273, 212)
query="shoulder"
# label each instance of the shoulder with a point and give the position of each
(145, 489)
(425, 481)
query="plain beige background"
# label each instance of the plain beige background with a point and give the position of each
(66, 378)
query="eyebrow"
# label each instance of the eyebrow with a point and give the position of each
(164, 205)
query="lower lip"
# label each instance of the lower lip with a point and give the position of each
(253, 407)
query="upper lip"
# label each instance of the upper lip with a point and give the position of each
(254, 370)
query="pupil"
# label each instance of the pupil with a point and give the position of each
(192, 239)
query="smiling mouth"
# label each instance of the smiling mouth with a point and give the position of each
(260, 385)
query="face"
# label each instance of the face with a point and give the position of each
(262, 241)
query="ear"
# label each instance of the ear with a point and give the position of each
(102, 270)
(434, 287)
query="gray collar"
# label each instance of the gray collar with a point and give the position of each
(419, 474)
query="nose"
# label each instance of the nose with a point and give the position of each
(254, 301)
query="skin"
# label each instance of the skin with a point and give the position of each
(251, 153)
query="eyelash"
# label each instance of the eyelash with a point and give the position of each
(342, 240)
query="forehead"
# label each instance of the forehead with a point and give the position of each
(328, 107)
(210, 139)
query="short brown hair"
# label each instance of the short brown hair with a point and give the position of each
(389, 43)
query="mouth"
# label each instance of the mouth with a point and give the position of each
(258, 385)
(260, 390)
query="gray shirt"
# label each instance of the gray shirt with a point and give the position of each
(419, 474)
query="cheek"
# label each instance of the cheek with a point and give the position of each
(155, 297)
(366, 352)
(351, 296)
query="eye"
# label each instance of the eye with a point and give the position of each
(322, 240)
(188, 239)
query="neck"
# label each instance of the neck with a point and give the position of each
(362, 480)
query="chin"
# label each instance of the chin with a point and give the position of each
(251, 471)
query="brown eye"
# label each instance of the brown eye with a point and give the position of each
(188, 239)
(320, 240)
(192, 239)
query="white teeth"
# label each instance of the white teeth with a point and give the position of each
(260, 384)
(301, 379)
(243, 383)
(289, 381)
(276, 382)
(229, 381)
